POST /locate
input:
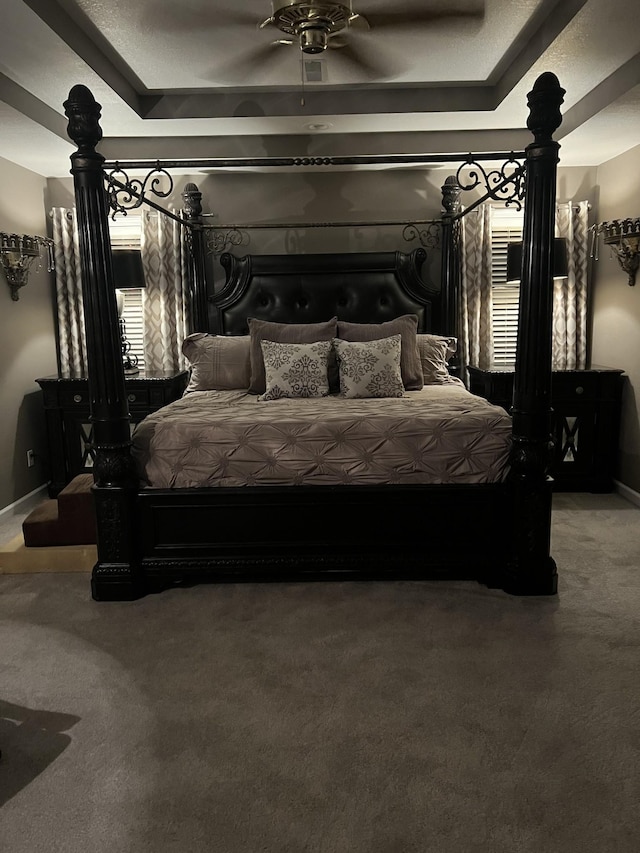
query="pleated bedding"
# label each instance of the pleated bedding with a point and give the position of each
(440, 434)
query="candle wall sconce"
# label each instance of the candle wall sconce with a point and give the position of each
(623, 238)
(18, 253)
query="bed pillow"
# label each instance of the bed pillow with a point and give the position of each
(435, 352)
(217, 362)
(295, 370)
(405, 326)
(370, 368)
(283, 333)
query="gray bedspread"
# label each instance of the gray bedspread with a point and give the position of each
(440, 434)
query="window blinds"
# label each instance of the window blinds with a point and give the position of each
(125, 233)
(506, 227)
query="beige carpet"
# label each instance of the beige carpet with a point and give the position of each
(15, 558)
(330, 717)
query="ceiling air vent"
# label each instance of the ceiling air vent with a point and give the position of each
(313, 70)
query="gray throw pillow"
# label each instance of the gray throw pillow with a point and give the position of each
(217, 362)
(295, 370)
(370, 368)
(284, 333)
(435, 351)
(405, 326)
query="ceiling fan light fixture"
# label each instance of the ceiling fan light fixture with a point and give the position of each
(312, 23)
(313, 38)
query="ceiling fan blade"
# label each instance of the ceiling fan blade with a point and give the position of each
(264, 56)
(358, 22)
(365, 62)
(427, 12)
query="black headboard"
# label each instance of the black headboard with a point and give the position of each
(362, 287)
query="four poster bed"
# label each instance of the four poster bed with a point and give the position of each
(382, 466)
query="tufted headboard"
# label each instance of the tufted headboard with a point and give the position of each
(363, 287)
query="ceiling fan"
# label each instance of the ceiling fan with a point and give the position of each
(319, 25)
(313, 24)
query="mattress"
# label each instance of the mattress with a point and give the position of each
(439, 434)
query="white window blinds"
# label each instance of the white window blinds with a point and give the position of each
(125, 232)
(506, 227)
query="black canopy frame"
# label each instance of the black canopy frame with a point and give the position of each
(506, 525)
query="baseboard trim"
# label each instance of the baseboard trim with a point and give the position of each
(627, 492)
(39, 493)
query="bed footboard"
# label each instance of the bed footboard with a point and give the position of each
(186, 536)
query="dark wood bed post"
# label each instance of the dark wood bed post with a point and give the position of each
(533, 570)
(114, 576)
(450, 265)
(192, 198)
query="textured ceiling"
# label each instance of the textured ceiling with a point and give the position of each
(199, 78)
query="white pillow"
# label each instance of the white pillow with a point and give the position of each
(295, 370)
(370, 368)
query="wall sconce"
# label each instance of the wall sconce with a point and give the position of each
(18, 252)
(514, 259)
(128, 274)
(623, 237)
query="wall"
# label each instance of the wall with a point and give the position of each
(616, 324)
(27, 341)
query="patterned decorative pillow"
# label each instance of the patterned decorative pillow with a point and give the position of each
(406, 326)
(284, 333)
(370, 368)
(217, 362)
(435, 351)
(295, 370)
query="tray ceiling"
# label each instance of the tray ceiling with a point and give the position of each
(199, 78)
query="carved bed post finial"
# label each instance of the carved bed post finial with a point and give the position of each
(533, 570)
(114, 575)
(192, 198)
(451, 192)
(83, 112)
(450, 267)
(544, 102)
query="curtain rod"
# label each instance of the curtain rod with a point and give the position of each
(360, 160)
(315, 224)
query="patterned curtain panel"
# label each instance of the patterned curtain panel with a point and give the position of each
(71, 337)
(570, 294)
(475, 343)
(165, 298)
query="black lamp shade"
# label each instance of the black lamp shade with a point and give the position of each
(127, 269)
(514, 259)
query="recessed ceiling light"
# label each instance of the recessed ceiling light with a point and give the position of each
(318, 126)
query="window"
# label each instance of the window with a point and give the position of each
(506, 227)
(125, 232)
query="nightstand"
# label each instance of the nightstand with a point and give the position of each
(69, 431)
(586, 421)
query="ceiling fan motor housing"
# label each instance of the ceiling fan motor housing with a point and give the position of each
(312, 23)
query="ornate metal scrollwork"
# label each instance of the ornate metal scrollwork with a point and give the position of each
(125, 193)
(223, 239)
(427, 233)
(505, 183)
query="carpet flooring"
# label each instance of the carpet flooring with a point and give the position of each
(330, 717)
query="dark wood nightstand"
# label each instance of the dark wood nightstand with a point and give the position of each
(69, 431)
(586, 406)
